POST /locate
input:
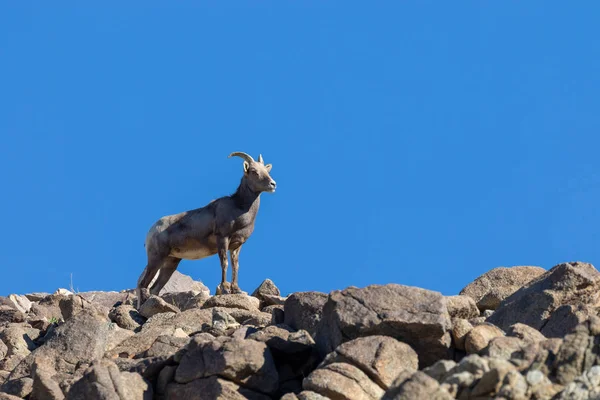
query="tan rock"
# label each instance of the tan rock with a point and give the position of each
(491, 288)
(480, 336)
(462, 307)
(460, 330)
(342, 381)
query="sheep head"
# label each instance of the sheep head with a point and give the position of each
(257, 173)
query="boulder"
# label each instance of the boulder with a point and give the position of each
(415, 316)
(565, 319)
(267, 287)
(9, 314)
(565, 284)
(382, 358)
(479, 337)
(462, 307)
(45, 385)
(103, 380)
(74, 304)
(303, 310)
(79, 340)
(525, 333)
(211, 388)
(342, 381)
(248, 363)
(21, 387)
(116, 336)
(417, 385)
(183, 283)
(491, 288)
(222, 321)
(283, 340)
(460, 330)
(239, 301)
(277, 315)
(107, 299)
(127, 317)
(19, 339)
(21, 303)
(167, 346)
(156, 305)
(186, 300)
(48, 307)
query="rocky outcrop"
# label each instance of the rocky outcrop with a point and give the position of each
(377, 342)
(415, 316)
(491, 288)
(567, 294)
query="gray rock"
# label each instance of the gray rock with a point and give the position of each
(565, 319)
(565, 284)
(103, 381)
(492, 379)
(211, 388)
(284, 341)
(186, 300)
(156, 305)
(223, 321)
(116, 336)
(248, 363)
(303, 310)
(267, 287)
(35, 297)
(440, 370)
(494, 286)
(167, 346)
(127, 317)
(525, 333)
(382, 358)
(108, 299)
(277, 314)
(238, 301)
(73, 304)
(48, 307)
(165, 377)
(183, 283)
(79, 340)
(342, 381)
(415, 316)
(20, 387)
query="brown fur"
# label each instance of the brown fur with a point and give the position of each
(221, 226)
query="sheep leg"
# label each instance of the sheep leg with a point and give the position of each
(235, 258)
(147, 276)
(222, 248)
(166, 271)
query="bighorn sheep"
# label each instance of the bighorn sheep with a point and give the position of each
(222, 225)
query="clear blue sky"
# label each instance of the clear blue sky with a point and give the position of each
(420, 143)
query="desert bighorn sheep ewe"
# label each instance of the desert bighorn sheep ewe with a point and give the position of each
(222, 225)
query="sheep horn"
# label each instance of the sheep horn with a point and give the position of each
(260, 159)
(242, 155)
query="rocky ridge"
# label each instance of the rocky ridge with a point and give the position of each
(513, 333)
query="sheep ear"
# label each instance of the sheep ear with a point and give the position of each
(268, 167)
(246, 166)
